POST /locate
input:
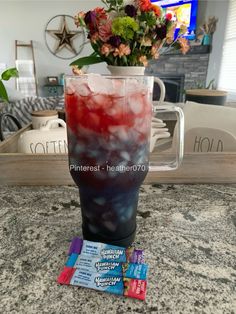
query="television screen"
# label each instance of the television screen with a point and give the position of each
(184, 12)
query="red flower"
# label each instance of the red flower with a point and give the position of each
(169, 16)
(145, 5)
(100, 13)
(78, 18)
(156, 10)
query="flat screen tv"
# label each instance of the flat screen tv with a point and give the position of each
(183, 12)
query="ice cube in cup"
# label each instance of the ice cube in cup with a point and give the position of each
(100, 85)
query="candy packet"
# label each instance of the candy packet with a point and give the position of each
(106, 251)
(134, 288)
(105, 267)
(96, 265)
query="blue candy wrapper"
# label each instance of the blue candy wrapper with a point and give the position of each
(96, 265)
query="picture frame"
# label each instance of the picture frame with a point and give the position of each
(52, 80)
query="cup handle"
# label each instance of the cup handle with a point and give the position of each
(162, 90)
(50, 123)
(172, 165)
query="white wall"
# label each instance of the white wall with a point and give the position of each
(201, 15)
(26, 20)
(219, 9)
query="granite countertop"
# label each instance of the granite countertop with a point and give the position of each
(188, 233)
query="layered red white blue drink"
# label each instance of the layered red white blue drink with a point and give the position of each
(108, 121)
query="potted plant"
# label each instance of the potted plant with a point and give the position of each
(5, 76)
(128, 33)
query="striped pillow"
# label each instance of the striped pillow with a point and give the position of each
(22, 109)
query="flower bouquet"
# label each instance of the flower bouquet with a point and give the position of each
(129, 33)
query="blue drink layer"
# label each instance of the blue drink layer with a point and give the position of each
(109, 196)
(108, 215)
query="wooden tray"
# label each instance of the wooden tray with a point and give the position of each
(52, 169)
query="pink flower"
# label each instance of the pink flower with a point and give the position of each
(184, 45)
(143, 60)
(106, 49)
(78, 18)
(104, 31)
(123, 50)
(154, 52)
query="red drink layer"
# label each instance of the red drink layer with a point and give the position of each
(108, 134)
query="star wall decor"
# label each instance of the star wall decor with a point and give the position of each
(62, 37)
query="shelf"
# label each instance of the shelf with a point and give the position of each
(53, 90)
(201, 49)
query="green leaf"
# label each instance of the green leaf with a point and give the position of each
(12, 72)
(94, 54)
(210, 85)
(87, 61)
(3, 92)
(124, 59)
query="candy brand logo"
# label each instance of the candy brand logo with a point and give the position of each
(106, 265)
(108, 281)
(111, 254)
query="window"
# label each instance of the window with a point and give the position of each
(227, 78)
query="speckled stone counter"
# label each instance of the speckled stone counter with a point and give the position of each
(189, 236)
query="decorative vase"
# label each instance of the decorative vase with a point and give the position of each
(126, 70)
(207, 40)
(137, 71)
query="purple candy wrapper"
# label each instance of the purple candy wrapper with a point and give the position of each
(137, 257)
(131, 255)
(75, 246)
